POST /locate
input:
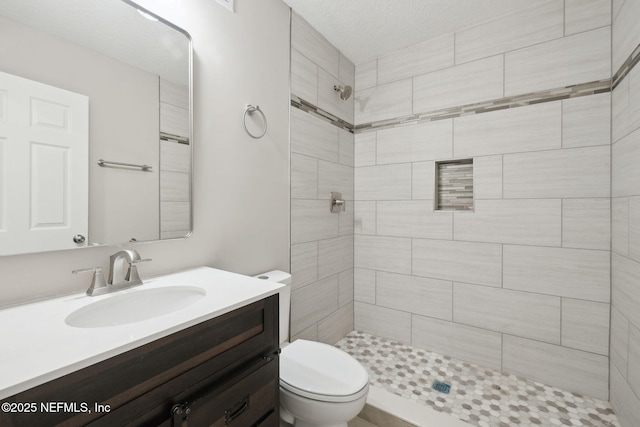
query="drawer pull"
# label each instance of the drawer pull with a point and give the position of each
(180, 414)
(235, 411)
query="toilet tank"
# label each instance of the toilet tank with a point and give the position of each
(284, 294)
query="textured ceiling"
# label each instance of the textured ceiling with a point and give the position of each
(365, 29)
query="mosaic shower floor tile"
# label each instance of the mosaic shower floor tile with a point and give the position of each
(479, 396)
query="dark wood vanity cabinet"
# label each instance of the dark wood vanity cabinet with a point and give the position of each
(222, 372)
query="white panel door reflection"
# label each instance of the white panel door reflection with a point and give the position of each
(44, 148)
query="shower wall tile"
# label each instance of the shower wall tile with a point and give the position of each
(311, 334)
(423, 183)
(383, 253)
(460, 341)
(633, 373)
(526, 222)
(585, 15)
(383, 102)
(574, 273)
(335, 326)
(586, 223)
(304, 264)
(586, 121)
(625, 295)
(311, 220)
(345, 219)
(174, 94)
(313, 303)
(304, 77)
(413, 219)
(345, 289)
(420, 58)
(175, 157)
(388, 182)
(576, 172)
(619, 341)
(364, 218)
(174, 186)
(475, 81)
(501, 132)
(417, 295)
(624, 401)
(487, 177)
(414, 143)
(621, 121)
(176, 216)
(383, 321)
(334, 256)
(174, 120)
(579, 58)
(625, 171)
(308, 41)
(364, 285)
(479, 263)
(366, 75)
(634, 228)
(334, 177)
(365, 149)
(620, 225)
(346, 142)
(313, 137)
(512, 312)
(304, 177)
(347, 71)
(625, 33)
(510, 32)
(330, 101)
(585, 325)
(586, 373)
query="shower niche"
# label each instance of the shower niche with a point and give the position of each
(454, 185)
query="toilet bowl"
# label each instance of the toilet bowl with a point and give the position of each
(320, 385)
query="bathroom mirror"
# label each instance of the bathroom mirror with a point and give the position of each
(95, 125)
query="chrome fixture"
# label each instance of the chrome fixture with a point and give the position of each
(145, 168)
(250, 109)
(118, 280)
(345, 91)
(337, 203)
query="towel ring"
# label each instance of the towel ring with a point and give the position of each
(250, 109)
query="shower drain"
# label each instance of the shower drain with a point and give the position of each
(441, 387)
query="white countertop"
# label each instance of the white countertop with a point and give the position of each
(38, 346)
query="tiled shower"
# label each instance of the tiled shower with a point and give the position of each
(539, 277)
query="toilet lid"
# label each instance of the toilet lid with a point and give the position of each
(320, 371)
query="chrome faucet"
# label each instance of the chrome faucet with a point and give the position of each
(118, 279)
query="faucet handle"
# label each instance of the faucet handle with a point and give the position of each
(96, 282)
(132, 273)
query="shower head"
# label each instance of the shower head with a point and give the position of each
(345, 91)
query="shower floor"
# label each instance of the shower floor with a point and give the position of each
(479, 396)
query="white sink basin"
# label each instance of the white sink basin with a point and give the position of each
(134, 306)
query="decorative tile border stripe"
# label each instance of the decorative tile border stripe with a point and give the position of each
(574, 91)
(308, 107)
(626, 67)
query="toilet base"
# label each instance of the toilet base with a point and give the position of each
(298, 411)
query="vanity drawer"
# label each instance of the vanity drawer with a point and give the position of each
(214, 349)
(233, 405)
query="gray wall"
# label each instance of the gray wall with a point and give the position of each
(321, 162)
(522, 283)
(625, 204)
(241, 186)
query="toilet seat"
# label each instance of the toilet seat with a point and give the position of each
(321, 372)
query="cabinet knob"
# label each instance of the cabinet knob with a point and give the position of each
(79, 238)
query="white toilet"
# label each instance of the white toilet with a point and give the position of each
(320, 385)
